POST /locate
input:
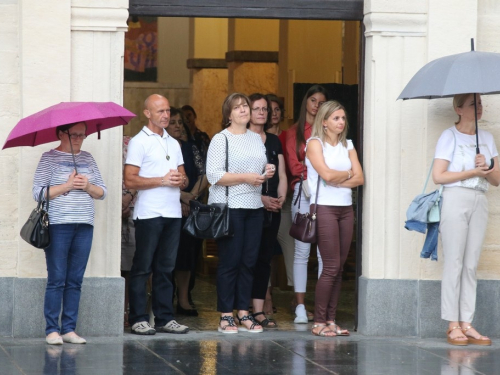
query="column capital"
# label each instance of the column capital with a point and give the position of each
(396, 24)
(99, 15)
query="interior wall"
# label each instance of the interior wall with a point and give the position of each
(255, 35)
(210, 38)
(315, 50)
(309, 52)
(173, 50)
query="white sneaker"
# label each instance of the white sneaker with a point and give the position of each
(300, 315)
(143, 328)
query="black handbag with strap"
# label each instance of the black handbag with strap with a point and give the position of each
(36, 230)
(210, 221)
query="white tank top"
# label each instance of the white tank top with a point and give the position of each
(337, 158)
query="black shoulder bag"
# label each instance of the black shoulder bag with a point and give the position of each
(36, 230)
(210, 221)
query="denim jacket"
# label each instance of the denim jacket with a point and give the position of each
(416, 216)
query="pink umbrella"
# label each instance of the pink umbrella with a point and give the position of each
(39, 128)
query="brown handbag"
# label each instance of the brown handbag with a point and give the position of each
(304, 225)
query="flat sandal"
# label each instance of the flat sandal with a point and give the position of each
(230, 323)
(322, 331)
(339, 331)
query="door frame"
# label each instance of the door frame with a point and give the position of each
(335, 10)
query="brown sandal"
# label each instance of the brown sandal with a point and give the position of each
(456, 341)
(475, 341)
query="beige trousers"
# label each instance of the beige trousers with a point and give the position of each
(464, 216)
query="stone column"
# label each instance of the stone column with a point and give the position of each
(399, 293)
(394, 166)
(67, 51)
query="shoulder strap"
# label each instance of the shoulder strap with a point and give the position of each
(227, 166)
(432, 164)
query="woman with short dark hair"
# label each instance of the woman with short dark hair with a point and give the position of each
(71, 218)
(240, 187)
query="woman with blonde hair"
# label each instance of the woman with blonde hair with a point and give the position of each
(465, 176)
(331, 157)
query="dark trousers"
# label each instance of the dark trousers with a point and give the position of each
(157, 240)
(334, 233)
(237, 258)
(262, 270)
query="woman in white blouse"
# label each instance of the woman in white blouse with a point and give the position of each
(247, 170)
(466, 177)
(331, 157)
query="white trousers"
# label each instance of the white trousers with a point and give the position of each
(287, 242)
(464, 216)
(302, 249)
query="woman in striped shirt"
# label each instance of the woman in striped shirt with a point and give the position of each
(71, 217)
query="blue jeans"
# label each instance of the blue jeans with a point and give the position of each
(237, 258)
(156, 242)
(66, 257)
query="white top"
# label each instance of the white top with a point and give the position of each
(337, 158)
(148, 151)
(76, 206)
(465, 153)
(247, 154)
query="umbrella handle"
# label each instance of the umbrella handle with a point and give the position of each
(72, 153)
(492, 164)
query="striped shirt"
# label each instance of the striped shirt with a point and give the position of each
(76, 206)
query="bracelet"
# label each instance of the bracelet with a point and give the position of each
(349, 175)
(162, 182)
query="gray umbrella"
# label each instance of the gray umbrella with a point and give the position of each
(463, 73)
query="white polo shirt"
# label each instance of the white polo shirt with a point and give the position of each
(148, 151)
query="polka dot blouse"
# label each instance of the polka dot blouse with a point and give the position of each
(247, 154)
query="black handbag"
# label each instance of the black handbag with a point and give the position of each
(304, 224)
(210, 221)
(36, 230)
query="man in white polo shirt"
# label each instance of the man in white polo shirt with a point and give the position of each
(155, 168)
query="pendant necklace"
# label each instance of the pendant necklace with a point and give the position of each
(166, 151)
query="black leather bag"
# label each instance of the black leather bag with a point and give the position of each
(36, 230)
(304, 225)
(209, 221)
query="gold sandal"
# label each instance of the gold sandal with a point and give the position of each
(473, 340)
(456, 341)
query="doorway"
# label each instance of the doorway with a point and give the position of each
(332, 10)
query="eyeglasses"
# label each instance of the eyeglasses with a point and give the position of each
(77, 136)
(263, 109)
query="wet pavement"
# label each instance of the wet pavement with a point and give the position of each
(289, 349)
(282, 352)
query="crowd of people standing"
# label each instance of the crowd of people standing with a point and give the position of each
(170, 163)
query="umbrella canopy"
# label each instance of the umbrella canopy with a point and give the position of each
(469, 72)
(39, 128)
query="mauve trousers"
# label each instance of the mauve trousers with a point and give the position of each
(334, 233)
